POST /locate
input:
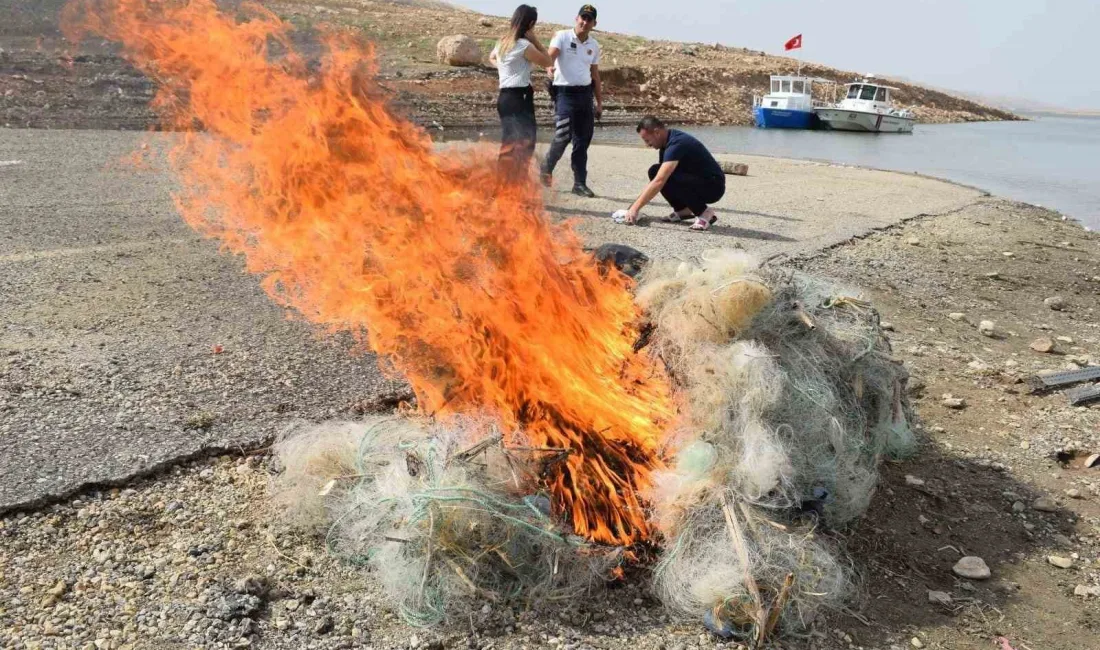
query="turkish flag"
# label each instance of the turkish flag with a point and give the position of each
(793, 44)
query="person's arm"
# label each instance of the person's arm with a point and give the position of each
(535, 52)
(553, 51)
(597, 86)
(493, 60)
(651, 190)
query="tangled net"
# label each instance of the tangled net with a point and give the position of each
(790, 399)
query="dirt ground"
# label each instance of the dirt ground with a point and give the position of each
(45, 82)
(935, 280)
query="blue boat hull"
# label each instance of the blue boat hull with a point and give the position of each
(781, 118)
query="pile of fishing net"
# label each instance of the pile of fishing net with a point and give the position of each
(790, 399)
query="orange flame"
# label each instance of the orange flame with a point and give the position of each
(354, 220)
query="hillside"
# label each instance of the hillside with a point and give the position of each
(684, 82)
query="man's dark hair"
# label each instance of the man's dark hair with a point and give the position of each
(649, 123)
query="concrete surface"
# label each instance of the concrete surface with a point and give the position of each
(111, 307)
(782, 206)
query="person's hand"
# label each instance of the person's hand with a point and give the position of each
(550, 71)
(631, 216)
(599, 109)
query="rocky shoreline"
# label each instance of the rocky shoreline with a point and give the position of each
(46, 83)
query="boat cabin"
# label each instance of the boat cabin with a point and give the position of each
(867, 96)
(789, 93)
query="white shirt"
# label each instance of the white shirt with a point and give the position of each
(513, 68)
(575, 58)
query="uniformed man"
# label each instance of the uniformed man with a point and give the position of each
(576, 73)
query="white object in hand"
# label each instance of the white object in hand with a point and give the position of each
(619, 216)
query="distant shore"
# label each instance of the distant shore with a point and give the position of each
(691, 83)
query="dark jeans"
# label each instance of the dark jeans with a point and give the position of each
(516, 107)
(574, 120)
(683, 190)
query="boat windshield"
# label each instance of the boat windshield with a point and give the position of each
(880, 95)
(868, 93)
(786, 85)
(853, 92)
(797, 87)
(775, 85)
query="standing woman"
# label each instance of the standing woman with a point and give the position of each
(514, 57)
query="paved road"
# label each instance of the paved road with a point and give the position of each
(111, 308)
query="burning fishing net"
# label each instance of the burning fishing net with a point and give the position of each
(721, 419)
(440, 513)
(790, 401)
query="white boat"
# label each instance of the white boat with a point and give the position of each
(866, 107)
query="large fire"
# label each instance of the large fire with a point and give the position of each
(458, 280)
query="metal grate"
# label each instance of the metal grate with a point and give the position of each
(1083, 394)
(1039, 382)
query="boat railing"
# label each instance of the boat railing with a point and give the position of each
(817, 103)
(757, 101)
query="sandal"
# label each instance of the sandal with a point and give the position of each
(677, 218)
(702, 224)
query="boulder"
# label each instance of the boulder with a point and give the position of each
(458, 50)
(736, 169)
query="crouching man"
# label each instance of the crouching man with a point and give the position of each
(687, 176)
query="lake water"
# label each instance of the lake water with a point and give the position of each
(1049, 161)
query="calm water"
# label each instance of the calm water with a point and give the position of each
(1050, 161)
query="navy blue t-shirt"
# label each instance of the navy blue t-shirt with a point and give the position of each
(693, 157)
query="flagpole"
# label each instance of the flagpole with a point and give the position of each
(798, 56)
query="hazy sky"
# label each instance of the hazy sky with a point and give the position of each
(1041, 50)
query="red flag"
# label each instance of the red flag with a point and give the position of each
(793, 44)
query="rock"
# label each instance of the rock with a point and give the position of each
(939, 597)
(952, 402)
(1073, 493)
(485, 22)
(913, 241)
(1045, 504)
(1063, 541)
(324, 626)
(987, 328)
(255, 585)
(916, 643)
(913, 480)
(458, 50)
(887, 325)
(735, 169)
(1057, 303)
(1060, 562)
(1018, 506)
(1042, 344)
(972, 567)
(663, 99)
(1085, 592)
(957, 315)
(234, 606)
(1065, 339)
(1008, 254)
